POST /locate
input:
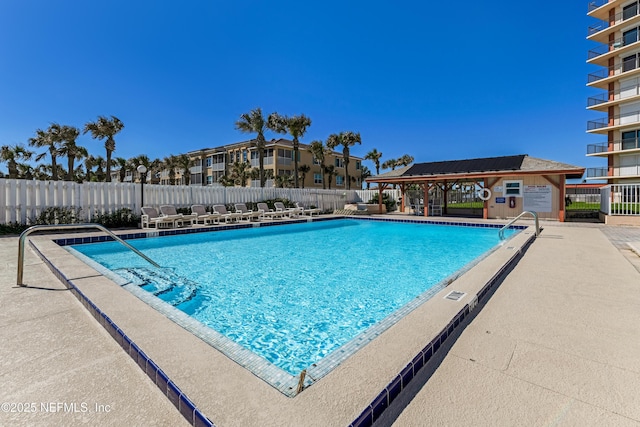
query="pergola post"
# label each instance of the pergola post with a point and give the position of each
(425, 199)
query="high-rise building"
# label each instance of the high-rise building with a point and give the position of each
(616, 30)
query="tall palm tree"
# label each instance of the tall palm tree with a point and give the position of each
(391, 163)
(254, 122)
(69, 148)
(329, 171)
(318, 150)
(347, 140)
(50, 139)
(364, 174)
(296, 126)
(123, 165)
(304, 170)
(12, 155)
(405, 160)
(184, 163)
(105, 128)
(171, 163)
(240, 172)
(25, 171)
(283, 181)
(374, 155)
(100, 163)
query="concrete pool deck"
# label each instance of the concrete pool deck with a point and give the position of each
(569, 352)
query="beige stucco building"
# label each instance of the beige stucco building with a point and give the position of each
(211, 164)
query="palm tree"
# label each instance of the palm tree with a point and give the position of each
(42, 172)
(296, 126)
(49, 139)
(283, 181)
(405, 160)
(240, 172)
(329, 171)
(304, 170)
(374, 155)
(254, 122)
(170, 163)
(364, 174)
(105, 128)
(25, 171)
(184, 163)
(347, 140)
(318, 150)
(11, 155)
(69, 149)
(123, 165)
(391, 163)
(99, 163)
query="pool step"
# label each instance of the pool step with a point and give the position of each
(164, 284)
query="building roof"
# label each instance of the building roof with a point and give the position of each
(478, 168)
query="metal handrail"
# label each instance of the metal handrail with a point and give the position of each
(31, 229)
(535, 217)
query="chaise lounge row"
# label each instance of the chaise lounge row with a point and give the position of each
(168, 217)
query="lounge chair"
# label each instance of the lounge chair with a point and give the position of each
(290, 212)
(226, 215)
(308, 211)
(150, 217)
(265, 212)
(170, 211)
(247, 214)
(204, 217)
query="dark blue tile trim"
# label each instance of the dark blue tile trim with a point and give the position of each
(184, 405)
(372, 412)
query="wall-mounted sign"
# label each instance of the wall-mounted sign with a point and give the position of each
(501, 199)
(497, 189)
(537, 198)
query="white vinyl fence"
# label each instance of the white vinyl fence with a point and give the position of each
(620, 199)
(24, 200)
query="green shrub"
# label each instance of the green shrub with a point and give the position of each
(386, 200)
(119, 219)
(58, 215)
(12, 228)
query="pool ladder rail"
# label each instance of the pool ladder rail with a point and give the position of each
(533, 214)
(34, 228)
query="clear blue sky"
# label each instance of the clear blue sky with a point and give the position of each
(436, 80)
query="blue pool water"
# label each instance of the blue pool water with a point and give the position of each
(295, 293)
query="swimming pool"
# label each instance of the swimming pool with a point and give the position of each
(301, 296)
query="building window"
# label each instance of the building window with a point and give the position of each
(339, 163)
(630, 139)
(358, 165)
(244, 156)
(629, 11)
(209, 161)
(629, 63)
(513, 188)
(630, 36)
(209, 180)
(339, 180)
(317, 178)
(316, 161)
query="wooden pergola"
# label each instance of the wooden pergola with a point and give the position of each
(484, 172)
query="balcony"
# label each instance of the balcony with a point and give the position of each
(613, 96)
(609, 23)
(267, 161)
(618, 146)
(615, 47)
(604, 75)
(596, 173)
(593, 5)
(617, 172)
(617, 121)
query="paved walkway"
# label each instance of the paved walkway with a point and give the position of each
(558, 344)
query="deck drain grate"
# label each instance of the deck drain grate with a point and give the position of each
(455, 295)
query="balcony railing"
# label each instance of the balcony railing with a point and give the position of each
(609, 47)
(597, 172)
(617, 145)
(615, 95)
(612, 71)
(617, 120)
(615, 20)
(267, 161)
(593, 5)
(618, 172)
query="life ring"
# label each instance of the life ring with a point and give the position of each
(484, 194)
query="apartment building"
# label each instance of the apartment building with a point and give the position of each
(616, 77)
(211, 164)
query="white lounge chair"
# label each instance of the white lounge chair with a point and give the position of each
(308, 211)
(170, 211)
(247, 214)
(266, 212)
(204, 217)
(290, 212)
(226, 215)
(150, 217)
